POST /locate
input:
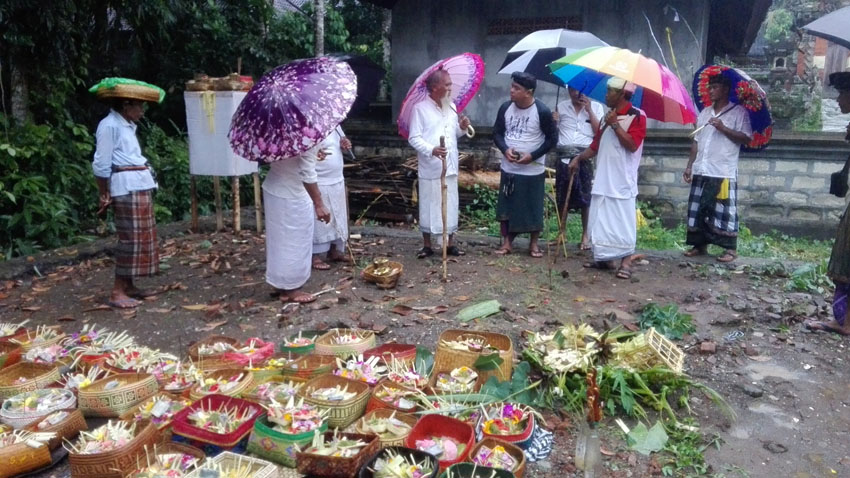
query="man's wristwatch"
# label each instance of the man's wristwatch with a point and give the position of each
(615, 126)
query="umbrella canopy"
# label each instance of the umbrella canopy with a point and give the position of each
(833, 27)
(466, 71)
(292, 108)
(369, 75)
(533, 53)
(746, 92)
(660, 93)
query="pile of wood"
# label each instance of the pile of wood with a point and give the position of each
(384, 188)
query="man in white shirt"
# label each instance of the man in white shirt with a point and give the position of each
(292, 201)
(712, 172)
(524, 132)
(578, 121)
(434, 118)
(331, 237)
(124, 180)
(618, 147)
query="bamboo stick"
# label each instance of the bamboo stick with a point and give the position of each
(444, 193)
(258, 203)
(237, 209)
(194, 192)
(562, 219)
(219, 219)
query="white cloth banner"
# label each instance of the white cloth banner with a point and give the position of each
(289, 239)
(430, 205)
(612, 226)
(208, 116)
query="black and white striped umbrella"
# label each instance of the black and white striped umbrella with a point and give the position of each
(533, 53)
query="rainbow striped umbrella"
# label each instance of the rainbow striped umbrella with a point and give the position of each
(660, 93)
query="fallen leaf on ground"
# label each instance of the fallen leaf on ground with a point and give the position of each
(379, 329)
(66, 318)
(162, 310)
(247, 327)
(402, 310)
(210, 326)
(195, 307)
(461, 298)
(87, 298)
(31, 308)
(40, 289)
(98, 307)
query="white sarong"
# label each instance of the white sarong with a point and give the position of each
(333, 195)
(612, 226)
(289, 239)
(430, 205)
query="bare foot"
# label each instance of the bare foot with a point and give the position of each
(319, 264)
(297, 296)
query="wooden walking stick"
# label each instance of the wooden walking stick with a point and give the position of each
(562, 219)
(444, 191)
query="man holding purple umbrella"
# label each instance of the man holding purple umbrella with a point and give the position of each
(431, 120)
(293, 202)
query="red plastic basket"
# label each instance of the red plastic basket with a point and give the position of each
(522, 440)
(183, 427)
(440, 426)
(387, 352)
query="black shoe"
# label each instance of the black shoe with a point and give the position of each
(454, 251)
(424, 252)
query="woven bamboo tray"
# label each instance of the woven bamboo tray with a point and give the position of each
(387, 281)
(340, 413)
(193, 349)
(510, 448)
(96, 401)
(29, 333)
(10, 354)
(376, 403)
(67, 429)
(386, 413)
(418, 455)
(268, 443)
(448, 359)
(326, 346)
(244, 384)
(37, 375)
(310, 366)
(258, 468)
(22, 419)
(20, 458)
(115, 463)
(133, 92)
(337, 467)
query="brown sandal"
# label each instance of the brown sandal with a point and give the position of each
(728, 256)
(695, 251)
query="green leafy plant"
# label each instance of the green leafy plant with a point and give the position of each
(667, 320)
(810, 278)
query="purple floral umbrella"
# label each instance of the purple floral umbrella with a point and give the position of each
(292, 108)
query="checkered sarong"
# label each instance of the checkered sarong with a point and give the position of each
(136, 254)
(712, 220)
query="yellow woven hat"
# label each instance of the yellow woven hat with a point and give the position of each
(126, 88)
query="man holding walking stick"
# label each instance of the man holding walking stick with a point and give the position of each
(432, 120)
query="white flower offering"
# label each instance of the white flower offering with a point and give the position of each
(215, 348)
(9, 328)
(79, 381)
(221, 420)
(332, 394)
(52, 419)
(386, 428)
(356, 368)
(394, 465)
(348, 336)
(298, 341)
(295, 417)
(459, 380)
(31, 439)
(399, 372)
(279, 391)
(111, 436)
(36, 400)
(137, 358)
(41, 335)
(338, 446)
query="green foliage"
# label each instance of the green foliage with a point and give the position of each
(517, 389)
(811, 120)
(667, 320)
(810, 278)
(424, 361)
(685, 450)
(778, 25)
(489, 362)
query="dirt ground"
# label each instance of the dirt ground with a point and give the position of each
(789, 387)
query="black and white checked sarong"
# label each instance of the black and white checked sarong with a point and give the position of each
(712, 220)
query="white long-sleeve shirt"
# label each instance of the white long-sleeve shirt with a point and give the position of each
(286, 177)
(117, 145)
(427, 123)
(329, 170)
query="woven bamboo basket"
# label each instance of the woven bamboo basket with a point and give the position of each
(20, 458)
(326, 346)
(132, 92)
(431, 389)
(666, 350)
(22, 419)
(387, 281)
(337, 467)
(310, 366)
(268, 443)
(29, 333)
(340, 413)
(419, 456)
(36, 375)
(386, 413)
(96, 401)
(244, 384)
(261, 373)
(116, 463)
(404, 353)
(67, 429)
(470, 470)
(10, 354)
(376, 403)
(252, 393)
(301, 349)
(510, 448)
(258, 468)
(448, 359)
(169, 448)
(136, 414)
(193, 349)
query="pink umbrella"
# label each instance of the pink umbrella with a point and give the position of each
(466, 71)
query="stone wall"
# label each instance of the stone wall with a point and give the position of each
(785, 187)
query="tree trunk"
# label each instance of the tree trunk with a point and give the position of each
(386, 27)
(320, 27)
(19, 96)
